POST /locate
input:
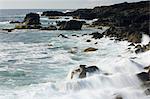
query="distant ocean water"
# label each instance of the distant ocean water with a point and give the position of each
(35, 64)
(6, 14)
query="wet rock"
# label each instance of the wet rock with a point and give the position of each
(96, 43)
(14, 22)
(31, 21)
(88, 40)
(135, 37)
(84, 34)
(61, 35)
(23, 26)
(8, 30)
(51, 27)
(147, 91)
(144, 48)
(96, 35)
(92, 69)
(144, 76)
(118, 97)
(90, 49)
(132, 44)
(147, 67)
(52, 13)
(59, 23)
(71, 25)
(83, 70)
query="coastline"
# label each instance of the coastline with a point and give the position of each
(39, 52)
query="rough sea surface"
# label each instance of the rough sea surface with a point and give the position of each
(36, 64)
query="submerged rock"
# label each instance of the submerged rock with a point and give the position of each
(71, 25)
(90, 49)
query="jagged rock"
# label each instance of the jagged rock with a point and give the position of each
(51, 27)
(132, 44)
(83, 70)
(96, 35)
(8, 30)
(90, 49)
(32, 19)
(59, 23)
(135, 37)
(13, 22)
(61, 35)
(143, 48)
(52, 13)
(144, 76)
(71, 25)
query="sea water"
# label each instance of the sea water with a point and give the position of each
(35, 64)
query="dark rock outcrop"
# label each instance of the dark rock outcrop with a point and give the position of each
(90, 49)
(83, 70)
(53, 13)
(128, 21)
(8, 30)
(142, 48)
(71, 25)
(96, 35)
(14, 22)
(144, 76)
(31, 21)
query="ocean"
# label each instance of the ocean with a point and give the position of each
(36, 64)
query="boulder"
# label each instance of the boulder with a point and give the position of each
(83, 70)
(144, 76)
(32, 19)
(96, 35)
(92, 69)
(90, 49)
(88, 40)
(71, 25)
